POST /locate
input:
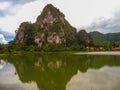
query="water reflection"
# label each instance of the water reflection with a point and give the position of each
(55, 71)
(104, 79)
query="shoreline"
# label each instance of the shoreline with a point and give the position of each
(99, 53)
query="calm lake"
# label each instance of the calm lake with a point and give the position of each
(60, 71)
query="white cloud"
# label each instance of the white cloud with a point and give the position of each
(83, 12)
(104, 25)
(2, 39)
(19, 14)
(15, 2)
(4, 5)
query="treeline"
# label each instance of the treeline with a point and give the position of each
(50, 47)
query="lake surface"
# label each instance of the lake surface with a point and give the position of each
(60, 71)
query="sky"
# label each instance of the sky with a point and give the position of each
(92, 15)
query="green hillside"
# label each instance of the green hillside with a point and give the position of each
(100, 39)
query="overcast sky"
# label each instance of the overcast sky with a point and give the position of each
(100, 15)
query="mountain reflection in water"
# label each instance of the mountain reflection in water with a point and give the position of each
(54, 71)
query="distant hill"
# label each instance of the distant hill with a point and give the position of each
(113, 37)
(100, 39)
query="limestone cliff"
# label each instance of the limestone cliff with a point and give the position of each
(50, 27)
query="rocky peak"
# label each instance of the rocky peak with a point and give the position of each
(49, 16)
(50, 12)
